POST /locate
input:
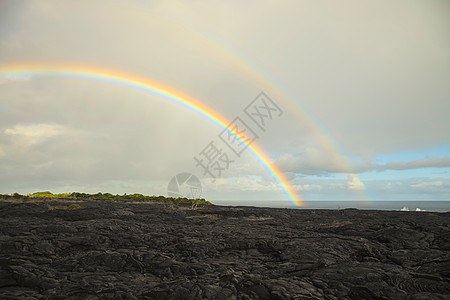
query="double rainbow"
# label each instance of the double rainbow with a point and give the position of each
(164, 92)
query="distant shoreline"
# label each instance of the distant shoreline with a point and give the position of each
(411, 206)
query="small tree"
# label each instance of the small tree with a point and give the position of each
(194, 203)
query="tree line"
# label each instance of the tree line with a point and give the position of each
(103, 196)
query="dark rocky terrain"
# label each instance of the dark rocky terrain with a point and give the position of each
(151, 251)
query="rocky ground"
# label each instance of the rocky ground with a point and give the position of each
(151, 251)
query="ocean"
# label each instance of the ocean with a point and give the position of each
(432, 206)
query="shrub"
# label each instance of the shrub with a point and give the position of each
(70, 207)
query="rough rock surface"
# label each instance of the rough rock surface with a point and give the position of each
(150, 251)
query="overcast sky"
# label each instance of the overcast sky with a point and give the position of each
(363, 87)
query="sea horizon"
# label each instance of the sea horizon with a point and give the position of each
(402, 205)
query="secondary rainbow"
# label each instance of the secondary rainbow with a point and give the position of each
(222, 51)
(13, 71)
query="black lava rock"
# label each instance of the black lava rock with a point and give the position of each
(102, 250)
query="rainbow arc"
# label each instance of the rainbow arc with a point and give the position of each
(167, 93)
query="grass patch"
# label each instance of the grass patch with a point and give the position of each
(70, 207)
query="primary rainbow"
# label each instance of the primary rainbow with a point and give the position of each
(244, 65)
(12, 71)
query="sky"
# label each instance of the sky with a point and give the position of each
(358, 94)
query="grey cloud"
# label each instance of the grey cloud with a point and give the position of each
(316, 166)
(434, 162)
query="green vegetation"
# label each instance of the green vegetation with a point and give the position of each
(70, 207)
(48, 196)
